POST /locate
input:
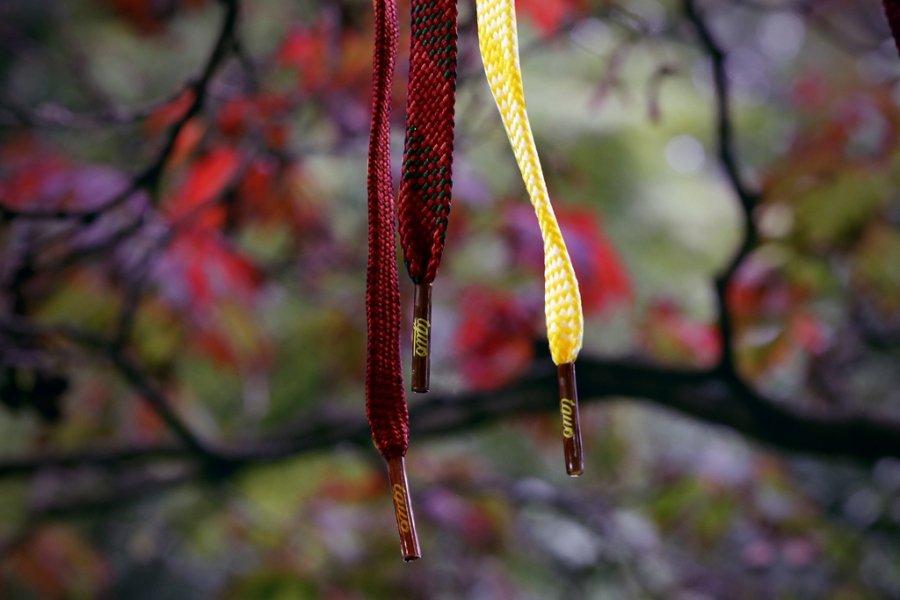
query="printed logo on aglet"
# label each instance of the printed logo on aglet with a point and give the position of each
(421, 328)
(400, 508)
(567, 408)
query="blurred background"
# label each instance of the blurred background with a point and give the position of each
(182, 323)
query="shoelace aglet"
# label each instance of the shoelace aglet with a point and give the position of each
(421, 338)
(568, 406)
(406, 525)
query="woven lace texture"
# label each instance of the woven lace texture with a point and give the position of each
(497, 39)
(385, 399)
(425, 182)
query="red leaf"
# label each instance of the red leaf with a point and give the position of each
(272, 105)
(204, 182)
(602, 278)
(233, 116)
(809, 332)
(168, 114)
(211, 269)
(258, 182)
(669, 332)
(495, 338)
(548, 16)
(187, 141)
(202, 276)
(264, 112)
(271, 193)
(304, 49)
(37, 177)
(757, 290)
(32, 175)
(215, 346)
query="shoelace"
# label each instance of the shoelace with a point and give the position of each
(425, 182)
(424, 212)
(497, 39)
(385, 399)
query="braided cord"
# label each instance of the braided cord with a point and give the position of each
(497, 38)
(425, 182)
(385, 399)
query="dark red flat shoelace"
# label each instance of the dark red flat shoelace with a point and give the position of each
(425, 182)
(385, 399)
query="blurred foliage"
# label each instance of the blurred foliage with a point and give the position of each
(249, 257)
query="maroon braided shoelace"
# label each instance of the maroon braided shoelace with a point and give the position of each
(425, 183)
(385, 399)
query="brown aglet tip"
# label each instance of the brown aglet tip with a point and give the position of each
(421, 338)
(406, 525)
(568, 406)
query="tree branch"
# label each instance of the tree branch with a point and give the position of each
(149, 178)
(709, 396)
(130, 370)
(727, 156)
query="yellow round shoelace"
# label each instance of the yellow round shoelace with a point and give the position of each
(498, 40)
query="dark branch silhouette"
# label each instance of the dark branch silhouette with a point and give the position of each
(708, 396)
(727, 155)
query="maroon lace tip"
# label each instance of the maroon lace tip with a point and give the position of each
(421, 338)
(406, 525)
(568, 406)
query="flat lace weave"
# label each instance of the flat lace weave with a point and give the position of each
(385, 399)
(425, 182)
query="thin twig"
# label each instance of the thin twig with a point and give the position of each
(129, 369)
(56, 116)
(149, 179)
(727, 155)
